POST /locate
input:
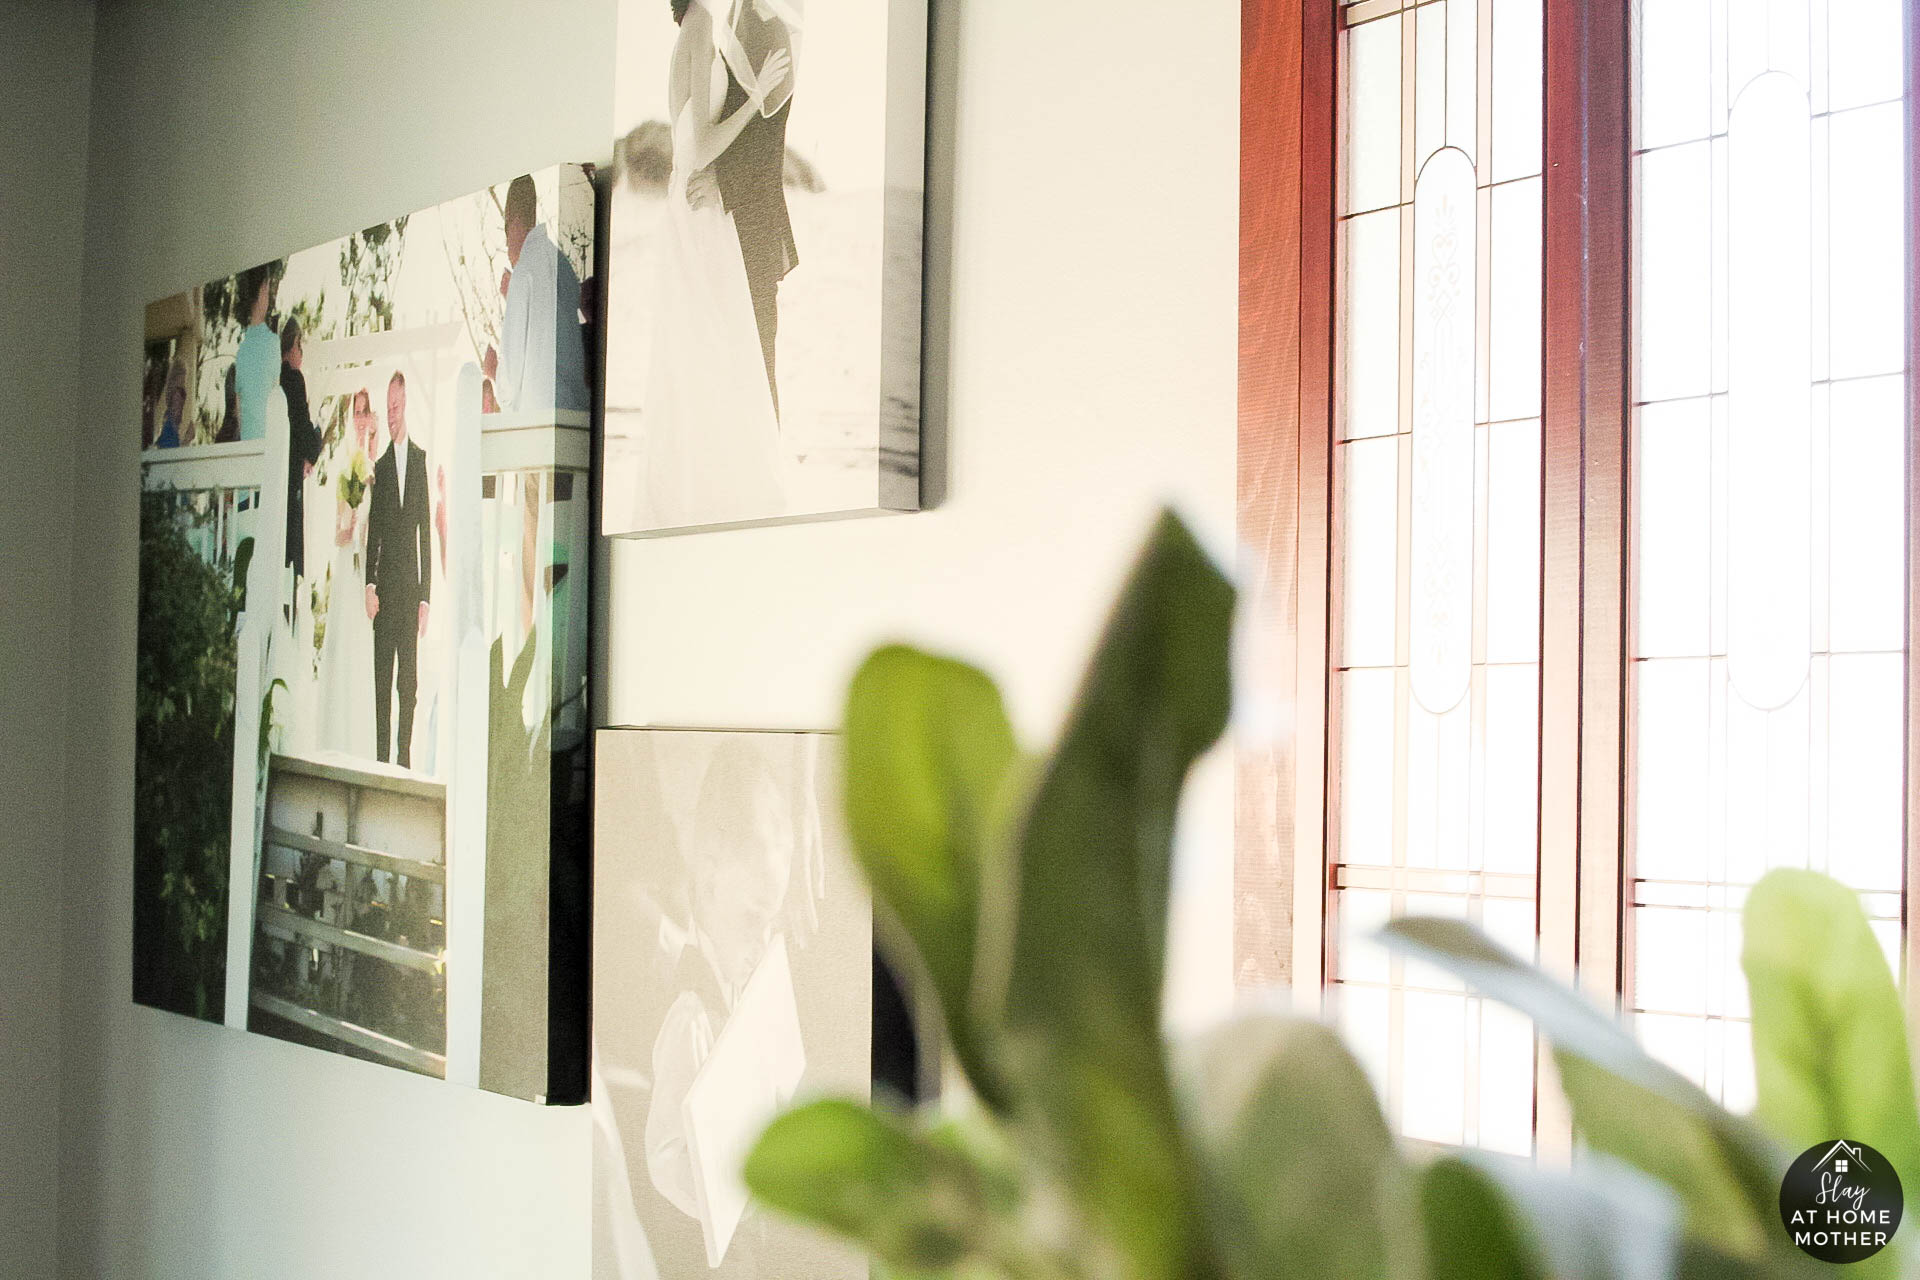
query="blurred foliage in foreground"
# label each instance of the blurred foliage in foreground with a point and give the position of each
(1034, 894)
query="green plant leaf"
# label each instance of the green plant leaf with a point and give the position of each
(1700, 1261)
(945, 1201)
(1491, 1219)
(1472, 1232)
(1604, 1220)
(869, 1178)
(1296, 1148)
(1724, 1169)
(929, 753)
(1829, 1031)
(1084, 921)
(1573, 1024)
(1674, 1143)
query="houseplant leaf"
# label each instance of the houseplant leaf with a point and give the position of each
(1296, 1147)
(1083, 921)
(1603, 1220)
(1674, 1143)
(1829, 1031)
(1472, 1232)
(1573, 1024)
(929, 754)
(924, 1202)
(1625, 1103)
(868, 1177)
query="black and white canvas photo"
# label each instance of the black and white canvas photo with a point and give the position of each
(362, 727)
(765, 261)
(734, 971)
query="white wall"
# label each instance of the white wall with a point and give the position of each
(44, 58)
(1085, 246)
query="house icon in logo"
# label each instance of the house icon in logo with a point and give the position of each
(1848, 1154)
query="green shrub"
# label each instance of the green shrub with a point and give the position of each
(183, 767)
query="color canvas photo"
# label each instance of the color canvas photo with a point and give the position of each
(361, 763)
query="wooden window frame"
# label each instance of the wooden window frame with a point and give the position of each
(1287, 788)
(1285, 478)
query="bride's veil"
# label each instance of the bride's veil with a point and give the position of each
(726, 14)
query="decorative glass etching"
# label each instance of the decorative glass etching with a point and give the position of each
(1444, 276)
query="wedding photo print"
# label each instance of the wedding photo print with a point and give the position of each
(362, 727)
(733, 970)
(764, 263)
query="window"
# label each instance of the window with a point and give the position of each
(1769, 504)
(1437, 499)
(1576, 437)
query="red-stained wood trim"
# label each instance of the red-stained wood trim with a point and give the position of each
(1268, 510)
(1585, 754)
(1318, 775)
(1584, 672)
(1286, 379)
(1606, 765)
(1563, 310)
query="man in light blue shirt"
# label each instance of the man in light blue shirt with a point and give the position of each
(542, 361)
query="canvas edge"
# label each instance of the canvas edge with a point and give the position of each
(903, 267)
(570, 848)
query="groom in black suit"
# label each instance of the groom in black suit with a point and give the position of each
(751, 175)
(399, 575)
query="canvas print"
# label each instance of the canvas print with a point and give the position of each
(361, 766)
(733, 971)
(763, 343)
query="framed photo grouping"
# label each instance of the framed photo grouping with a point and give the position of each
(765, 261)
(361, 769)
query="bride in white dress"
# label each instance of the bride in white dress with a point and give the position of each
(712, 438)
(346, 657)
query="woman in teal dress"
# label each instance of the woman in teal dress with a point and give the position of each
(257, 362)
